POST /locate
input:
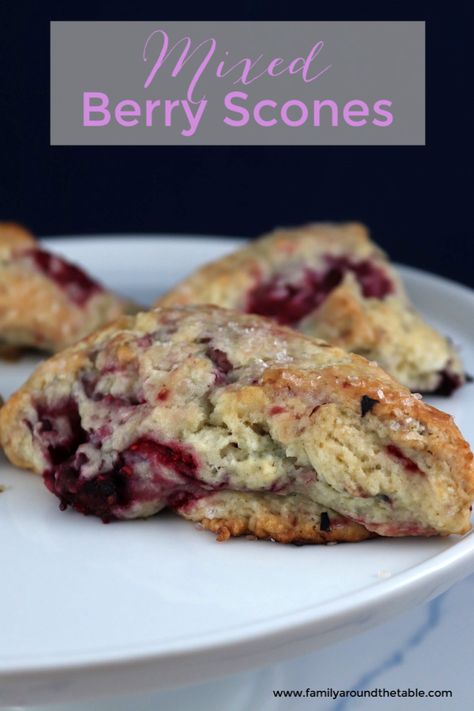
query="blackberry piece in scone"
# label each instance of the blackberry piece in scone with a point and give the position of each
(241, 425)
(46, 302)
(330, 281)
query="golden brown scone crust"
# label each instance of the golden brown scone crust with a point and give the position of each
(36, 312)
(13, 236)
(284, 519)
(208, 400)
(387, 330)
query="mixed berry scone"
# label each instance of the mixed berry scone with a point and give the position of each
(332, 282)
(46, 302)
(241, 425)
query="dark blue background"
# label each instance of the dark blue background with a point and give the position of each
(417, 200)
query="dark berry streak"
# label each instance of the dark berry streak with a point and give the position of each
(289, 301)
(78, 285)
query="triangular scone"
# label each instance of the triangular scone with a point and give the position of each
(331, 282)
(46, 302)
(241, 424)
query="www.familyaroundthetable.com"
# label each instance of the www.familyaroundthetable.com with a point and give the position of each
(378, 693)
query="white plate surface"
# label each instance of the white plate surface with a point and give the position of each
(88, 608)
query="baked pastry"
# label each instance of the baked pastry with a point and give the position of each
(46, 302)
(331, 282)
(241, 425)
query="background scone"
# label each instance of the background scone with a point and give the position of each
(242, 425)
(46, 302)
(331, 282)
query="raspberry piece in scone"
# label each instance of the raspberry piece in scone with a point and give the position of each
(331, 282)
(242, 425)
(46, 302)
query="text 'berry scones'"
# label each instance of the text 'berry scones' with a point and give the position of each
(331, 282)
(242, 425)
(46, 302)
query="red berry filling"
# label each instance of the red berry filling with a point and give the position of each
(408, 463)
(222, 364)
(61, 433)
(146, 471)
(60, 429)
(90, 383)
(160, 455)
(78, 286)
(100, 495)
(277, 410)
(171, 472)
(448, 383)
(288, 302)
(372, 280)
